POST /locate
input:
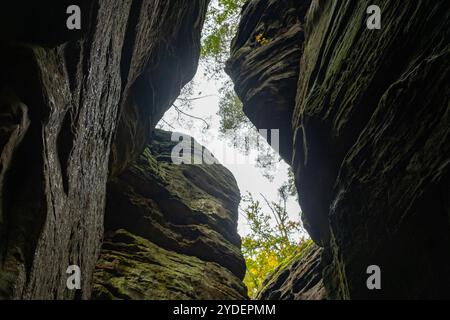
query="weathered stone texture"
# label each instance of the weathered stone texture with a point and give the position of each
(266, 74)
(370, 139)
(64, 94)
(187, 212)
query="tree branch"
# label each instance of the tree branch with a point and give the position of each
(191, 116)
(281, 225)
(197, 98)
(168, 124)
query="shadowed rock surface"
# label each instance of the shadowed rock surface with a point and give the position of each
(364, 118)
(370, 137)
(266, 74)
(67, 99)
(188, 213)
(299, 278)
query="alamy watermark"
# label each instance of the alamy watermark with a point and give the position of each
(74, 20)
(189, 151)
(374, 280)
(374, 20)
(74, 279)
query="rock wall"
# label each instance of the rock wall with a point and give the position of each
(369, 134)
(71, 101)
(171, 229)
(266, 74)
(298, 278)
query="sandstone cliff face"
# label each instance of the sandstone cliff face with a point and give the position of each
(370, 137)
(171, 230)
(63, 96)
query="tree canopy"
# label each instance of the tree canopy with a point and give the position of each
(221, 24)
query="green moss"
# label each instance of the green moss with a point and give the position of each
(132, 267)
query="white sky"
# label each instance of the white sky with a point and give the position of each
(248, 176)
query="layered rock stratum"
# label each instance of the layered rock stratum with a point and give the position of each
(171, 229)
(367, 131)
(77, 106)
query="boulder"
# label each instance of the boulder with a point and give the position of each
(187, 212)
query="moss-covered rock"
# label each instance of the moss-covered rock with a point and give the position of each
(187, 210)
(131, 267)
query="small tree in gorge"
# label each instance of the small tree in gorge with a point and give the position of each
(273, 238)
